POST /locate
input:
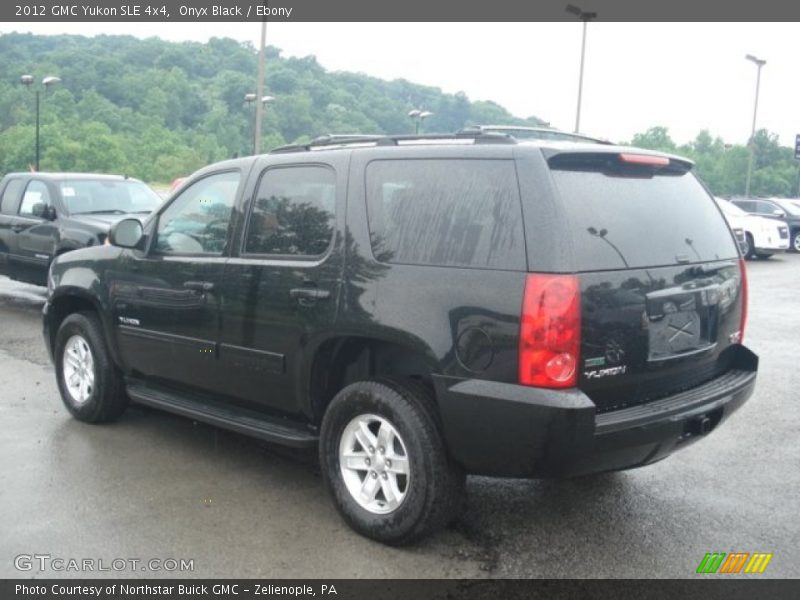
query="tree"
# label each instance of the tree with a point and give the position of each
(655, 138)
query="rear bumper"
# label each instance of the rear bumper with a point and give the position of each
(778, 246)
(510, 430)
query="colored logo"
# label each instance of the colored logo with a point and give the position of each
(735, 562)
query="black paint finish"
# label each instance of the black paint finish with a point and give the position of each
(244, 332)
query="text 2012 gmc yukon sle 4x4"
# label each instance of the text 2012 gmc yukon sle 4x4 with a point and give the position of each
(420, 309)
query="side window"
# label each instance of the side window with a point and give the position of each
(293, 212)
(36, 196)
(9, 202)
(197, 221)
(446, 212)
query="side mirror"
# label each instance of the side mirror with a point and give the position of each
(778, 213)
(41, 210)
(127, 233)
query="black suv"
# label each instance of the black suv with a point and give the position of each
(420, 308)
(43, 215)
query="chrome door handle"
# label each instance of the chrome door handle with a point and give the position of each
(200, 286)
(309, 294)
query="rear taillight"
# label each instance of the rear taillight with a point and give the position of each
(744, 292)
(550, 328)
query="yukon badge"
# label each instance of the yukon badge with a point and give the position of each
(128, 321)
(610, 372)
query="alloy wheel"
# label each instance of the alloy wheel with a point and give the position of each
(374, 463)
(78, 369)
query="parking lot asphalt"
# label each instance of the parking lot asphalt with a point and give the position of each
(157, 486)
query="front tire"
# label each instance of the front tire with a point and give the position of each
(796, 241)
(385, 462)
(90, 384)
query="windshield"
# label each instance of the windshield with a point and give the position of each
(96, 196)
(790, 207)
(730, 209)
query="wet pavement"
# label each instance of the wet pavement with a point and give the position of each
(155, 486)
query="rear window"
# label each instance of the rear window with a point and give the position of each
(637, 219)
(446, 212)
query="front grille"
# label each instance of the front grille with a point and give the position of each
(783, 232)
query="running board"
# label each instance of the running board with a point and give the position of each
(247, 422)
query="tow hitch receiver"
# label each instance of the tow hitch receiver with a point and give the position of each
(703, 424)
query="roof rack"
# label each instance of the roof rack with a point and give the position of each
(550, 133)
(341, 141)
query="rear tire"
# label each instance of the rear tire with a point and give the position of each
(795, 246)
(422, 491)
(763, 255)
(749, 251)
(91, 386)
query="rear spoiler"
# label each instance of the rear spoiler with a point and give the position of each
(621, 162)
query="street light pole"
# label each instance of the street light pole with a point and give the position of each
(585, 17)
(759, 63)
(27, 81)
(260, 88)
(419, 116)
(251, 99)
(37, 129)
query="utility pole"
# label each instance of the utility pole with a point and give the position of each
(759, 63)
(585, 17)
(260, 88)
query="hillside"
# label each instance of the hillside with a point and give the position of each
(155, 109)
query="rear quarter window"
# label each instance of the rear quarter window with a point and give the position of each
(446, 212)
(12, 194)
(619, 221)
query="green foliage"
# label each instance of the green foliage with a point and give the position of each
(723, 167)
(158, 110)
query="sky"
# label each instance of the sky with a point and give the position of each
(684, 76)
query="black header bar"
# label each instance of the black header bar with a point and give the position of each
(394, 10)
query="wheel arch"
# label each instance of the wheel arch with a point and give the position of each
(343, 359)
(69, 300)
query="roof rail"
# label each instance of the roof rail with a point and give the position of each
(339, 140)
(550, 133)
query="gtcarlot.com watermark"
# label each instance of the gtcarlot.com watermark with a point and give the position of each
(46, 563)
